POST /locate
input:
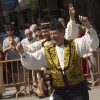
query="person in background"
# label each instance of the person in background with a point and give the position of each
(93, 66)
(43, 38)
(84, 66)
(43, 75)
(29, 40)
(96, 61)
(2, 88)
(44, 29)
(39, 74)
(82, 31)
(9, 48)
(89, 61)
(38, 35)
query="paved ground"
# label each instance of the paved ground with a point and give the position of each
(94, 95)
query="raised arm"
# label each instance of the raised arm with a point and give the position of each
(72, 30)
(89, 42)
(33, 47)
(32, 60)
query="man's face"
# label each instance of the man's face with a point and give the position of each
(29, 35)
(57, 37)
(45, 33)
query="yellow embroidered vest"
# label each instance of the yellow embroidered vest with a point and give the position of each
(72, 65)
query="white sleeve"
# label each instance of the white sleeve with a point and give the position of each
(71, 32)
(34, 60)
(32, 47)
(88, 43)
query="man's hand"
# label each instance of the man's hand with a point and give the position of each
(85, 21)
(71, 12)
(19, 48)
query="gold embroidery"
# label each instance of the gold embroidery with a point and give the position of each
(72, 65)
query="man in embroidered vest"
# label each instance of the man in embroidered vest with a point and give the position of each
(62, 59)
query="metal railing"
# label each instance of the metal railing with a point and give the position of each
(9, 75)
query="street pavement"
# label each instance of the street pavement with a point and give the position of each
(94, 95)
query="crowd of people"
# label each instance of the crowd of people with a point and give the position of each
(53, 52)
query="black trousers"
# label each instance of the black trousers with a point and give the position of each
(79, 92)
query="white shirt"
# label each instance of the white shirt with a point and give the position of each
(60, 53)
(84, 45)
(87, 43)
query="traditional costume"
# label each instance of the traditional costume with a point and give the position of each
(64, 63)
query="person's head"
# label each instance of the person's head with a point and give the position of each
(45, 32)
(9, 30)
(57, 32)
(45, 27)
(38, 35)
(33, 28)
(28, 34)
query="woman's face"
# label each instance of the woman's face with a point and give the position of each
(39, 36)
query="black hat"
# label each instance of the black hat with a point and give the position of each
(45, 22)
(55, 24)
